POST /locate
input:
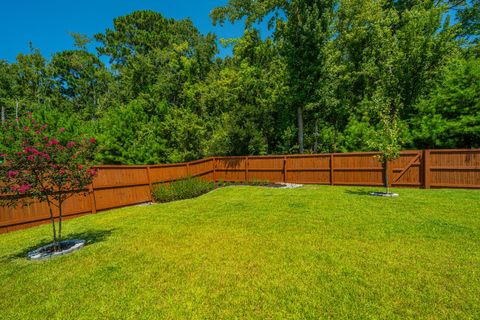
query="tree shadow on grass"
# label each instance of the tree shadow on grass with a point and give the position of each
(90, 237)
(360, 192)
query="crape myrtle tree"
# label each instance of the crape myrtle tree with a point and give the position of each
(43, 167)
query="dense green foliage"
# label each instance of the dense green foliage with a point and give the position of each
(329, 77)
(317, 252)
(450, 113)
(182, 189)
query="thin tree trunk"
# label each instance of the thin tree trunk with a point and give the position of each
(16, 109)
(315, 134)
(94, 106)
(60, 221)
(52, 219)
(386, 176)
(335, 137)
(38, 100)
(3, 114)
(300, 129)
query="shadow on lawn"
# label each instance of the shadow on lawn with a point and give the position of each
(90, 237)
(359, 192)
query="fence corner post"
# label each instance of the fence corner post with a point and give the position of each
(246, 169)
(284, 169)
(426, 169)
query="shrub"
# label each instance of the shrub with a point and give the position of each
(181, 189)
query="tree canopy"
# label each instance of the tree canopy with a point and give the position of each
(332, 76)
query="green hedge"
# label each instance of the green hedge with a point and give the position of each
(181, 189)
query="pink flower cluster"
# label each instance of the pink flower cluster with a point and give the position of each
(12, 174)
(53, 142)
(34, 152)
(92, 172)
(22, 189)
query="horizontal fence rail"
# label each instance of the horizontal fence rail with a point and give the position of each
(118, 186)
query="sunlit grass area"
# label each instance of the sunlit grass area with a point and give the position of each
(253, 252)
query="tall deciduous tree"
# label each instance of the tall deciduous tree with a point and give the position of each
(34, 84)
(7, 90)
(80, 78)
(303, 27)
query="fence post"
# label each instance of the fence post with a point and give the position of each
(188, 169)
(150, 183)
(246, 169)
(214, 169)
(91, 191)
(284, 168)
(331, 169)
(426, 169)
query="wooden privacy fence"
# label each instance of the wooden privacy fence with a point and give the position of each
(117, 186)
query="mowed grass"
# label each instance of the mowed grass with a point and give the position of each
(252, 252)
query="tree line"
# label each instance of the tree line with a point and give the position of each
(331, 76)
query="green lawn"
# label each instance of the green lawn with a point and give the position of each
(252, 252)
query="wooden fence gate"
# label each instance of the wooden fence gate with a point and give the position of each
(407, 170)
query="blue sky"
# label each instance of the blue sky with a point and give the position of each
(47, 22)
